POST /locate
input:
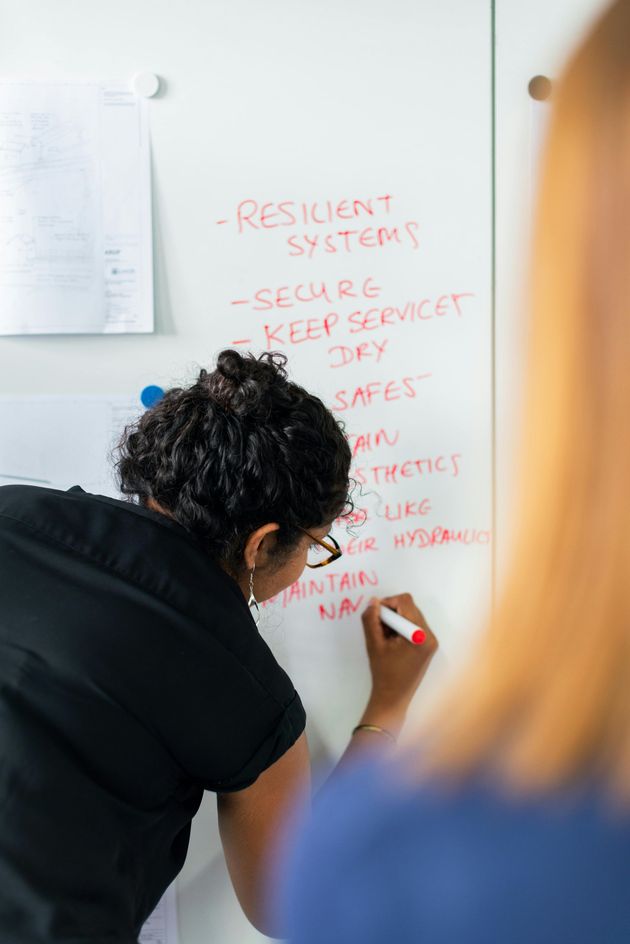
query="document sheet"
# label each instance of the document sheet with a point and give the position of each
(161, 927)
(75, 209)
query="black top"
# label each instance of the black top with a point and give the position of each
(132, 677)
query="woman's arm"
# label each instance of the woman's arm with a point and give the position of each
(251, 820)
(397, 668)
(249, 824)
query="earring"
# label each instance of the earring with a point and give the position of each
(253, 602)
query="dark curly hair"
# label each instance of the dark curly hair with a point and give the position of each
(241, 447)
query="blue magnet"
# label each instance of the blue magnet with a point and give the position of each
(151, 395)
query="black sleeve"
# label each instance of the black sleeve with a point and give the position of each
(227, 715)
(285, 731)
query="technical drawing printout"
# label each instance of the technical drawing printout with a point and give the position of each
(75, 209)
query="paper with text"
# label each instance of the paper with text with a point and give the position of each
(161, 927)
(75, 209)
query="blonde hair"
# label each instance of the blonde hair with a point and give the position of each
(548, 697)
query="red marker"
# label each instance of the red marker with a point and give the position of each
(402, 626)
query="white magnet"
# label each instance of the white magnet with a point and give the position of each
(145, 84)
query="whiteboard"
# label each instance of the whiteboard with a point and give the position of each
(346, 120)
(322, 184)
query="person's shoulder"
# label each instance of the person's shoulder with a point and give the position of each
(91, 525)
(407, 858)
(138, 546)
(387, 796)
(45, 512)
(486, 831)
(373, 809)
(15, 498)
(40, 505)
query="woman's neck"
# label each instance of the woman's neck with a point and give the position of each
(152, 505)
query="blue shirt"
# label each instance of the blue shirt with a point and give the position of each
(380, 863)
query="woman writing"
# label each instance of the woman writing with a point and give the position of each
(132, 675)
(514, 824)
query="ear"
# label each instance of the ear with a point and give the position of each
(254, 553)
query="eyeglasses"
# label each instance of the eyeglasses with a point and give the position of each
(322, 552)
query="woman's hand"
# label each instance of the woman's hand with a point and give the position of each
(397, 666)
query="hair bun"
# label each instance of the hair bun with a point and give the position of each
(244, 384)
